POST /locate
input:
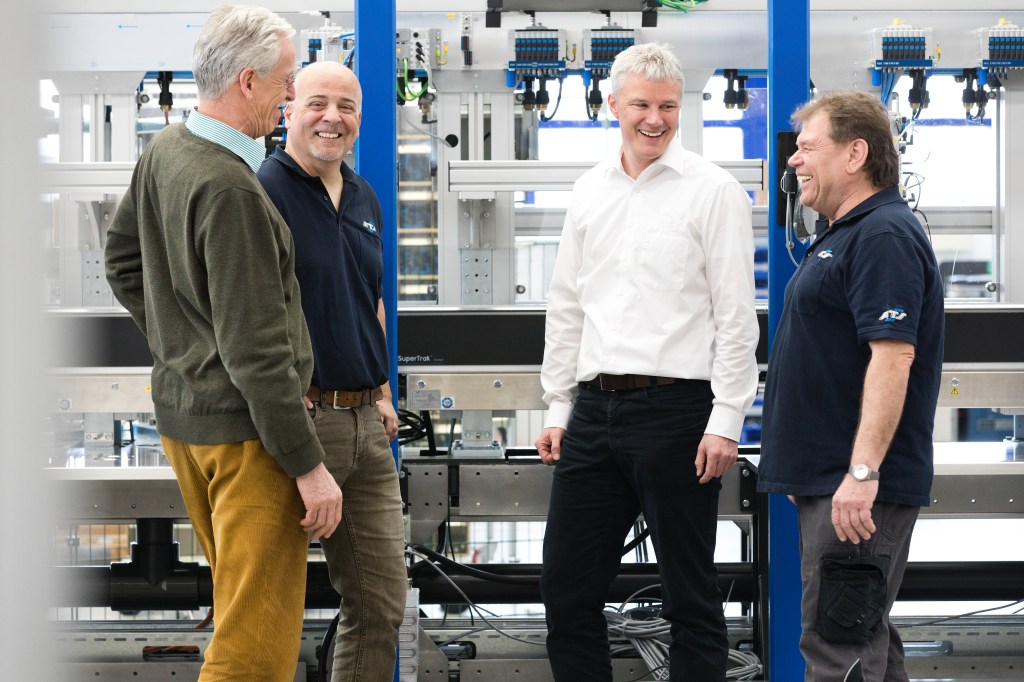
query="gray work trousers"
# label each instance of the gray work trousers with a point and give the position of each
(882, 658)
(365, 555)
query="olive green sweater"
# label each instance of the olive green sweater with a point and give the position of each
(204, 263)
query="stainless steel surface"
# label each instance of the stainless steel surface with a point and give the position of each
(146, 671)
(433, 665)
(992, 491)
(113, 650)
(975, 480)
(118, 391)
(508, 490)
(502, 490)
(525, 659)
(511, 176)
(102, 390)
(493, 391)
(971, 479)
(114, 493)
(411, 640)
(971, 668)
(965, 386)
(428, 498)
(538, 670)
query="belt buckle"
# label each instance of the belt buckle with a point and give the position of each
(600, 382)
(334, 403)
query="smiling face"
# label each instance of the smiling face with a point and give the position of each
(323, 120)
(648, 113)
(271, 92)
(823, 168)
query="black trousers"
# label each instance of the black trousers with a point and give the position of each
(625, 453)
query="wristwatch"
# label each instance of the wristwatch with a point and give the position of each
(861, 472)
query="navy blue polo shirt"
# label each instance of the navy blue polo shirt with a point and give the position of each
(339, 265)
(870, 275)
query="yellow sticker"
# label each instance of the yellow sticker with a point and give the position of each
(955, 391)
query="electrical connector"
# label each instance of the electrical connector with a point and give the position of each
(543, 98)
(595, 100)
(164, 78)
(529, 97)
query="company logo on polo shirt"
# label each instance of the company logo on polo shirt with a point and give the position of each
(892, 315)
(827, 253)
(369, 227)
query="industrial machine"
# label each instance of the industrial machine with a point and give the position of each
(499, 108)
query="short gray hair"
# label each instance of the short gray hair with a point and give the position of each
(235, 37)
(655, 61)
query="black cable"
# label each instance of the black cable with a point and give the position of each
(594, 100)
(962, 615)
(412, 427)
(927, 227)
(448, 495)
(558, 100)
(636, 542)
(442, 537)
(325, 646)
(429, 425)
(451, 435)
(474, 607)
(638, 549)
(475, 572)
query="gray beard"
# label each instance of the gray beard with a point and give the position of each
(324, 156)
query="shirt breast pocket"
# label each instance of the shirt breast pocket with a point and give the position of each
(660, 262)
(371, 264)
(807, 294)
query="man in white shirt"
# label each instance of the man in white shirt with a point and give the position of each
(648, 373)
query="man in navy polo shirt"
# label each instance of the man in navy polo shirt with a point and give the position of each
(335, 218)
(852, 385)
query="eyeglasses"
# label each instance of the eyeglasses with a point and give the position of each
(287, 82)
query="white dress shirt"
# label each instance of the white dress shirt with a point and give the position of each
(655, 276)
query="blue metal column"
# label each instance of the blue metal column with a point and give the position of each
(377, 151)
(377, 147)
(788, 87)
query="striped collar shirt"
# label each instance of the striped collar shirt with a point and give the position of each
(249, 150)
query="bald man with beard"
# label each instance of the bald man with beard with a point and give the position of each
(335, 218)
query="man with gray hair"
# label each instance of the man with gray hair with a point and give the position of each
(648, 373)
(205, 264)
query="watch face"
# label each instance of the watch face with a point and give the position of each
(861, 472)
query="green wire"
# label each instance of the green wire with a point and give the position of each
(681, 5)
(403, 90)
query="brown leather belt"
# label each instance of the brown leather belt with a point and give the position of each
(342, 400)
(627, 382)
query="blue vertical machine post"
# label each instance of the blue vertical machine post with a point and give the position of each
(377, 147)
(788, 87)
(377, 151)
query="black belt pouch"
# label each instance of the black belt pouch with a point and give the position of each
(851, 598)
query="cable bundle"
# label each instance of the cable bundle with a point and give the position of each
(649, 634)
